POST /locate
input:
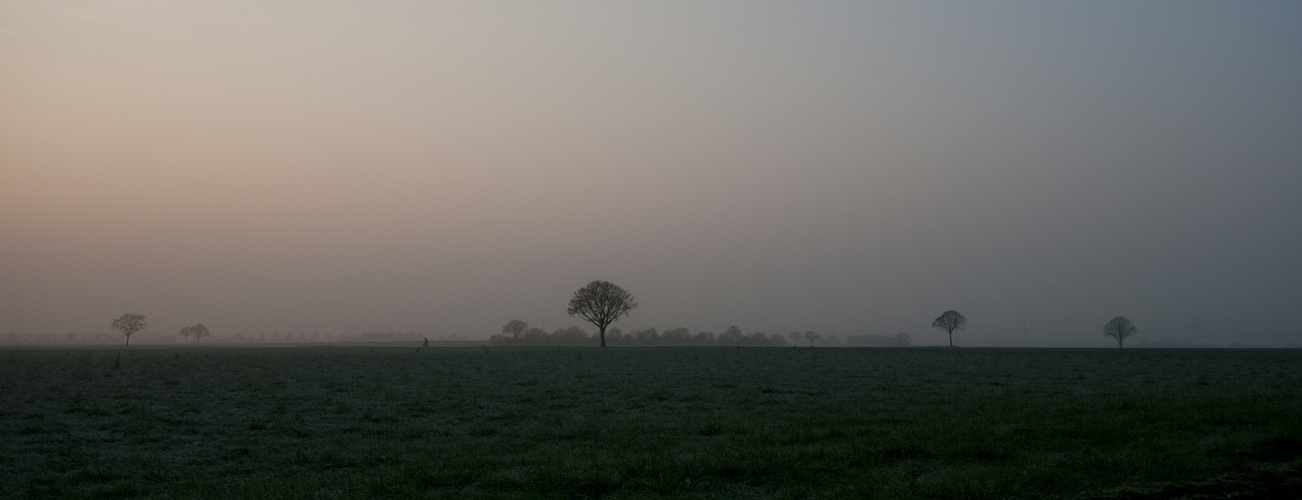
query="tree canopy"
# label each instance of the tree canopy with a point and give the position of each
(601, 303)
(1120, 329)
(129, 324)
(197, 331)
(515, 328)
(949, 321)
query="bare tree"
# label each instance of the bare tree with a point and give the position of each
(129, 324)
(199, 331)
(601, 303)
(950, 321)
(1121, 329)
(795, 338)
(811, 336)
(535, 333)
(515, 327)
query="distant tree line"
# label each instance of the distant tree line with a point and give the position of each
(382, 337)
(517, 332)
(602, 303)
(197, 331)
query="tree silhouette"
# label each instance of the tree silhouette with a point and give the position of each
(811, 336)
(199, 331)
(950, 321)
(795, 338)
(601, 303)
(1121, 329)
(535, 333)
(732, 335)
(515, 327)
(129, 324)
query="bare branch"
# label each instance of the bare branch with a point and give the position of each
(1120, 329)
(949, 321)
(515, 327)
(601, 303)
(129, 324)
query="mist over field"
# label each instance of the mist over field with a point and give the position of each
(318, 171)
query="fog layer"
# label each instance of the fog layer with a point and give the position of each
(842, 167)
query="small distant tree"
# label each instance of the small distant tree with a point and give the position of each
(902, 339)
(950, 321)
(535, 333)
(199, 331)
(129, 324)
(795, 338)
(601, 303)
(811, 337)
(1120, 329)
(732, 335)
(515, 328)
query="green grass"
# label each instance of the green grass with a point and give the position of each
(367, 422)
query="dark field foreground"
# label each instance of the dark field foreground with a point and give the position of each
(363, 422)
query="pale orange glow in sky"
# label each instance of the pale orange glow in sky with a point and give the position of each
(339, 167)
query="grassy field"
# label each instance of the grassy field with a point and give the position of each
(377, 422)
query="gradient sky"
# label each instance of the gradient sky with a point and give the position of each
(844, 167)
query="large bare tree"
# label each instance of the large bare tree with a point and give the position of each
(515, 327)
(129, 324)
(601, 303)
(950, 321)
(1121, 329)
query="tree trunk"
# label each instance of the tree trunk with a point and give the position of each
(128, 340)
(603, 336)
(951, 338)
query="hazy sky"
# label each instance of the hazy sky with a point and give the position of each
(844, 167)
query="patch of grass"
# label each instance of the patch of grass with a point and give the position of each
(371, 422)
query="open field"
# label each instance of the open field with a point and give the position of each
(396, 422)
